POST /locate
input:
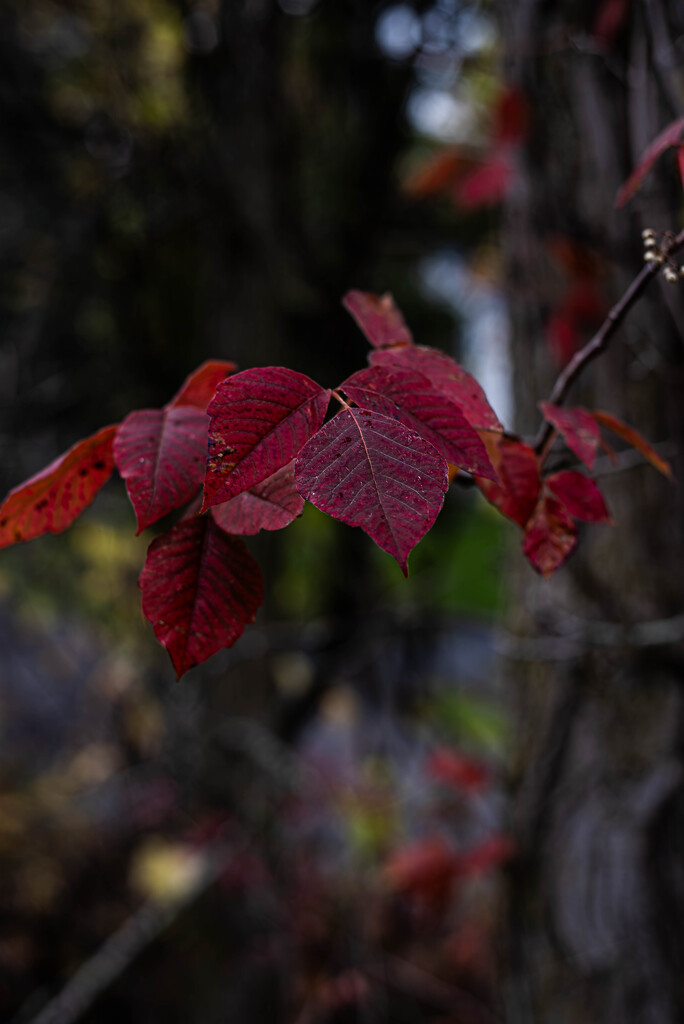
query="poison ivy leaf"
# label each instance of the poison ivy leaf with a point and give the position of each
(160, 453)
(578, 427)
(368, 470)
(633, 437)
(447, 376)
(516, 493)
(198, 389)
(673, 135)
(269, 505)
(200, 587)
(259, 421)
(579, 495)
(51, 500)
(410, 397)
(379, 318)
(550, 536)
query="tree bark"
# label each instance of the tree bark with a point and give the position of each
(597, 888)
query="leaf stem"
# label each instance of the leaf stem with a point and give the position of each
(599, 343)
(336, 394)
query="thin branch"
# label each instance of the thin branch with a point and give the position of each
(599, 343)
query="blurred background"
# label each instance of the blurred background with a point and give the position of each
(456, 798)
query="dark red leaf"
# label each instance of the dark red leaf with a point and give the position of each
(490, 854)
(633, 437)
(516, 493)
(580, 496)
(161, 453)
(426, 869)
(670, 136)
(269, 505)
(199, 387)
(550, 536)
(580, 311)
(680, 163)
(610, 18)
(51, 500)
(200, 587)
(578, 427)
(511, 117)
(447, 376)
(410, 397)
(455, 769)
(259, 421)
(378, 318)
(488, 184)
(368, 470)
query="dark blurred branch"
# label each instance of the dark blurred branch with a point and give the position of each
(599, 343)
(132, 938)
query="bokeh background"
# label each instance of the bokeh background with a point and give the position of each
(455, 798)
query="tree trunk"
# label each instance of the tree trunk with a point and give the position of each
(597, 889)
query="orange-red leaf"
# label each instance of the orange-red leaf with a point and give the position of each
(515, 495)
(550, 536)
(578, 427)
(269, 505)
(670, 136)
(51, 500)
(447, 376)
(633, 437)
(198, 389)
(579, 495)
(200, 587)
(379, 318)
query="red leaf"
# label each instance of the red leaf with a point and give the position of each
(578, 427)
(426, 868)
(160, 453)
(259, 421)
(409, 396)
(378, 318)
(516, 493)
(447, 376)
(670, 136)
(51, 500)
(680, 163)
(490, 854)
(368, 470)
(580, 496)
(610, 18)
(454, 769)
(633, 437)
(198, 389)
(268, 505)
(580, 311)
(511, 117)
(550, 537)
(200, 587)
(488, 184)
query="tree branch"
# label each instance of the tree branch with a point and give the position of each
(599, 343)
